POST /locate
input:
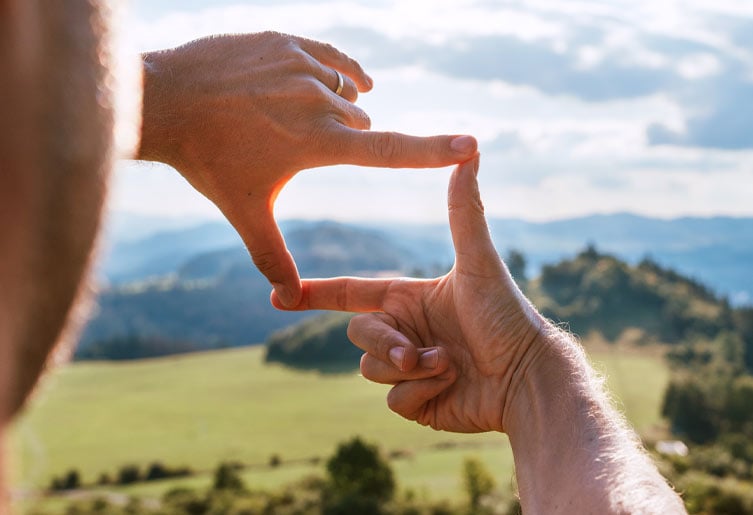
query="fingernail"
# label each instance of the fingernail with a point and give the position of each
(397, 356)
(429, 360)
(283, 294)
(464, 145)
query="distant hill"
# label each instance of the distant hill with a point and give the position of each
(589, 292)
(230, 310)
(595, 291)
(717, 251)
(161, 253)
(218, 298)
(197, 286)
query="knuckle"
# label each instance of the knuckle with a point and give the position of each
(386, 146)
(384, 342)
(370, 369)
(393, 402)
(450, 375)
(296, 61)
(352, 331)
(356, 327)
(341, 297)
(330, 50)
(363, 119)
(312, 89)
(266, 261)
(425, 416)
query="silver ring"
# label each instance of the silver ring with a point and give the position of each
(340, 83)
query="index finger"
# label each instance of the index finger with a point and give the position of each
(339, 294)
(396, 150)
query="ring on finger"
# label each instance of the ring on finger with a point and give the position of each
(340, 83)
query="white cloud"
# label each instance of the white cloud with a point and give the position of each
(698, 66)
(563, 156)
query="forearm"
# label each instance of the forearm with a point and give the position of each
(573, 452)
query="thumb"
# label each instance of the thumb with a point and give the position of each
(474, 249)
(266, 245)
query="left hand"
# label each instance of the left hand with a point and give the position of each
(240, 115)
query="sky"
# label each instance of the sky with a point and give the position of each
(579, 106)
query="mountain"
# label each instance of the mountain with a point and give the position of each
(197, 285)
(717, 251)
(162, 252)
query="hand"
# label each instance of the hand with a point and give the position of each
(239, 116)
(470, 332)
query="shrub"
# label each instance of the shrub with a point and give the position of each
(70, 481)
(185, 500)
(226, 477)
(478, 482)
(129, 474)
(159, 471)
(357, 470)
(687, 406)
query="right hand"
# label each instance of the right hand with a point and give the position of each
(471, 332)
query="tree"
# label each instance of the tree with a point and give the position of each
(516, 263)
(72, 480)
(156, 471)
(738, 406)
(478, 483)
(226, 477)
(359, 478)
(689, 410)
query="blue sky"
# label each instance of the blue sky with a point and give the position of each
(580, 106)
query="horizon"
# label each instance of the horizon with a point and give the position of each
(195, 220)
(579, 108)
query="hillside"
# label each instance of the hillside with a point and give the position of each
(195, 287)
(318, 343)
(716, 251)
(596, 291)
(591, 292)
(218, 298)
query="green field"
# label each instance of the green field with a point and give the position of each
(198, 410)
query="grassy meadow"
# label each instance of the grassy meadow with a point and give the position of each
(200, 409)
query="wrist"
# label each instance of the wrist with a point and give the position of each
(157, 116)
(553, 367)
